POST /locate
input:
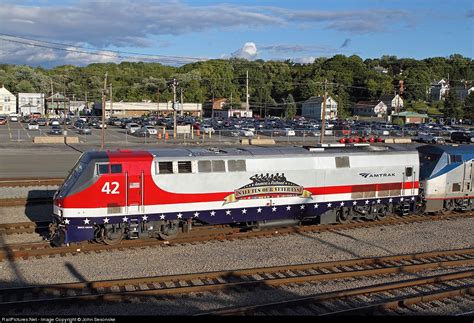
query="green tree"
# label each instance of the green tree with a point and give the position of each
(469, 106)
(453, 107)
(290, 110)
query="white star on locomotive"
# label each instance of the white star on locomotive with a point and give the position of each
(86, 221)
(144, 218)
(180, 215)
(244, 211)
(316, 205)
(354, 203)
(390, 200)
(342, 203)
(302, 207)
(366, 201)
(67, 221)
(329, 204)
(162, 217)
(213, 213)
(259, 210)
(196, 214)
(227, 212)
(274, 209)
(288, 208)
(106, 220)
(378, 201)
(124, 219)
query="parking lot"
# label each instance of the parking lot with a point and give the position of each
(16, 132)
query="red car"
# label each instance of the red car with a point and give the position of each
(3, 120)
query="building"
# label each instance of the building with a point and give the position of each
(370, 109)
(7, 102)
(438, 90)
(137, 109)
(463, 91)
(410, 117)
(394, 104)
(57, 104)
(233, 113)
(29, 103)
(313, 108)
(213, 105)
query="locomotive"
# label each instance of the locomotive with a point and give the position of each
(157, 193)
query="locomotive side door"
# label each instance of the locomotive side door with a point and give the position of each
(408, 185)
(468, 180)
(134, 193)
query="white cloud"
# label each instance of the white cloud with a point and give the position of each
(248, 51)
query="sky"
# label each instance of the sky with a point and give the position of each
(49, 33)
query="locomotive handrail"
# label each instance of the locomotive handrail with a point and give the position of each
(126, 192)
(142, 192)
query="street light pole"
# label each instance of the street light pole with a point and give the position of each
(103, 111)
(174, 84)
(323, 115)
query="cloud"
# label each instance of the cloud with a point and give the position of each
(248, 51)
(304, 60)
(346, 43)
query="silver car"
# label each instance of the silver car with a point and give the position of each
(85, 130)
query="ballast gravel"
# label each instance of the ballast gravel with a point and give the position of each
(231, 255)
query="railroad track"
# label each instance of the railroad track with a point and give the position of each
(25, 201)
(22, 182)
(206, 234)
(23, 227)
(249, 280)
(380, 299)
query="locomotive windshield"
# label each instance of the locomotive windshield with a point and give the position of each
(428, 162)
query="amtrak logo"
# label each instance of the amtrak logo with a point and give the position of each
(370, 175)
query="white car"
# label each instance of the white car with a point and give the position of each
(99, 125)
(54, 122)
(207, 129)
(289, 132)
(246, 133)
(13, 118)
(132, 127)
(33, 126)
(151, 130)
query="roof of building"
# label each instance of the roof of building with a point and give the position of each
(410, 114)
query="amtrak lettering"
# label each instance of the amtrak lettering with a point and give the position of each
(369, 175)
(266, 186)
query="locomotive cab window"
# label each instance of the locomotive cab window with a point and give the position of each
(165, 167)
(408, 171)
(184, 167)
(102, 169)
(116, 168)
(455, 159)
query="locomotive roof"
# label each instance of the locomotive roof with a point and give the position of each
(273, 151)
(464, 150)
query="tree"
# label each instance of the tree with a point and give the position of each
(469, 106)
(290, 110)
(452, 106)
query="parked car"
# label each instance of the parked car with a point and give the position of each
(246, 133)
(461, 136)
(207, 129)
(85, 129)
(54, 122)
(13, 118)
(3, 120)
(99, 125)
(132, 127)
(289, 132)
(55, 130)
(42, 122)
(33, 125)
(141, 132)
(151, 130)
(430, 139)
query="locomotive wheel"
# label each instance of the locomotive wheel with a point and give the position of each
(344, 215)
(169, 231)
(58, 237)
(382, 212)
(111, 234)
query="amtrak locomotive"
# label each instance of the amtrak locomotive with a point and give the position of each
(112, 195)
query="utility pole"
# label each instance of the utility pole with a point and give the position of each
(111, 100)
(182, 107)
(87, 105)
(247, 96)
(174, 84)
(323, 115)
(104, 90)
(52, 95)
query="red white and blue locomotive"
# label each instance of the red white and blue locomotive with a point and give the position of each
(111, 195)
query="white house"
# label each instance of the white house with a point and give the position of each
(370, 109)
(129, 109)
(397, 103)
(313, 108)
(29, 103)
(236, 113)
(438, 90)
(7, 102)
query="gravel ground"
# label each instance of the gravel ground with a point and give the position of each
(38, 212)
(291, 249)
(28, 192)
